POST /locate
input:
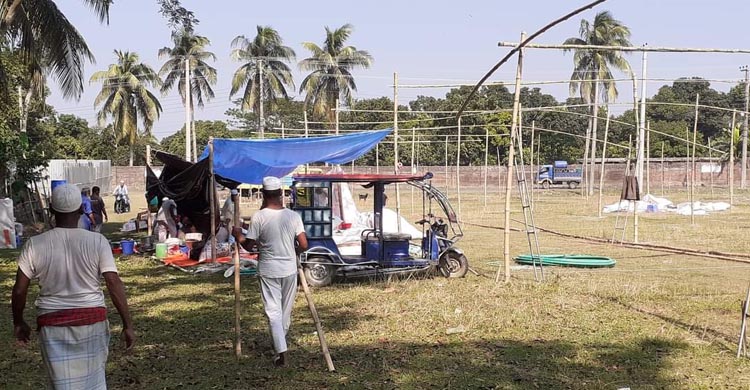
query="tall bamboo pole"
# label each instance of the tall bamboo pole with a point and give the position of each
(499, 171)
(188, 149)
(711, 165)
(531, 164)
(731, 160)
(538, 160)
(212, 197)
(412, 168)
(509, 173)
(635, 202)
(604, 156)
(237, 295)
(149, 227)
(395, 148)
(692, 175)
(648, 157)
(458, 168)
(662, 168)
(447, 180)
(486, 159)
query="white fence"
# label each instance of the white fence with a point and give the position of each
(83, 173)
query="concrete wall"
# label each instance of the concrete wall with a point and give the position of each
(135, 178)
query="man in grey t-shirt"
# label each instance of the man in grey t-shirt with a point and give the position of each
(275, 229)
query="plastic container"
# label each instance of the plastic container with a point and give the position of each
(561, 164)
(161, 250)
(55, 183)
(184, 249)
(127, 246)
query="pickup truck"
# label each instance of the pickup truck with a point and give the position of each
(559, 173)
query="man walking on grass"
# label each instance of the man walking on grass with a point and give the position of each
(72, 321)
(98, 208)
(275, 229)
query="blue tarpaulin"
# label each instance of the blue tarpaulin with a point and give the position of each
(249, 160)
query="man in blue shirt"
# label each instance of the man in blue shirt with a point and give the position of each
(87, 220)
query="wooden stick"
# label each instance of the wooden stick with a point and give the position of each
(604, 156)
(531, 162)
(743, 323)
(731, 160)
(662, 168)
(237, 296)
(316, 319)
(648, 157)
(711, 165)
(692, 164)
(212, 198)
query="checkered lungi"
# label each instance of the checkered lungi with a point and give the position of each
(76, 356)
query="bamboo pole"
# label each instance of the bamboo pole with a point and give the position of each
(509, 173)
(486, 157)
(662, 168)
(499, 171)
(531, 164)
(458, 168)
(316, 319)
(212, 197)
(538, 160)
(692, 175)
(395, 149)
(731, 160)
(648, 157)
(628, 48)
(149, 226)
(604, 156)
(635, 202)
(711, 165)
(447, 181)
(237, 295)
(584, 168)
(413, 168)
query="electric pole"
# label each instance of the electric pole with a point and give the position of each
(188, 138)
(743, 174)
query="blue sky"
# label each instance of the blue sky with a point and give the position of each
(426, 42)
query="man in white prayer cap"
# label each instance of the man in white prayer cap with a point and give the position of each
(275, 229)
(69, 264)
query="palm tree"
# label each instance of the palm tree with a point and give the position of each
(126, 99)
(592, 77)
(330, 66)
(190, 47)
(48, 41)
(264, 73)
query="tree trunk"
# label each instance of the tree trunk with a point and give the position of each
(594, 122)
(131, 155)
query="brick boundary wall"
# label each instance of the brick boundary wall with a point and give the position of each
(135, 178)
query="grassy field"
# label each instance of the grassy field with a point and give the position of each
(654, 321)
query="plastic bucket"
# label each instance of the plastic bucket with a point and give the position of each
(127, 247)
(55, 183)
(161, 250)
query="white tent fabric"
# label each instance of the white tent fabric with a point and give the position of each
(7, 224)
(651, 203)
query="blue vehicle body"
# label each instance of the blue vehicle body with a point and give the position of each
(559, 173)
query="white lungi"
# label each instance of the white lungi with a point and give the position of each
(76, 356)
(278, 300)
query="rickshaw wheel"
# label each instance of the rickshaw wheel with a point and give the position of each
(453, 265)
(317, 274)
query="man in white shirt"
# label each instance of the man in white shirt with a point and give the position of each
(275, 229)
(69, 264)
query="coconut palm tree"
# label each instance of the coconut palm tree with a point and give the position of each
(48, 41)
(330, 66)
(264, 74)
(190, 47)
(592, 77)
(126, 99)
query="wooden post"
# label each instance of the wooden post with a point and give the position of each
(412, 169)
(635, 202)
(237, 295)
(648, 157)
(307, 135)
(188, 149)
(692, 175)
(731, 160)
(212, 197)
(316, 319)
(499, 171)
(538, 154)
(604, 156)
(377, 158)
(337, 116)
(458, 167)
(509, 173)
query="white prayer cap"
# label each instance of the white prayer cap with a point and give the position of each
(66, 198)
(271, 183)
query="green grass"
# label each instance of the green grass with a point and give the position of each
(654, 321)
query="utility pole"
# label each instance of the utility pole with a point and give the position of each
(743, 172)
(641, 127)
(261, 120)
(188, 149)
